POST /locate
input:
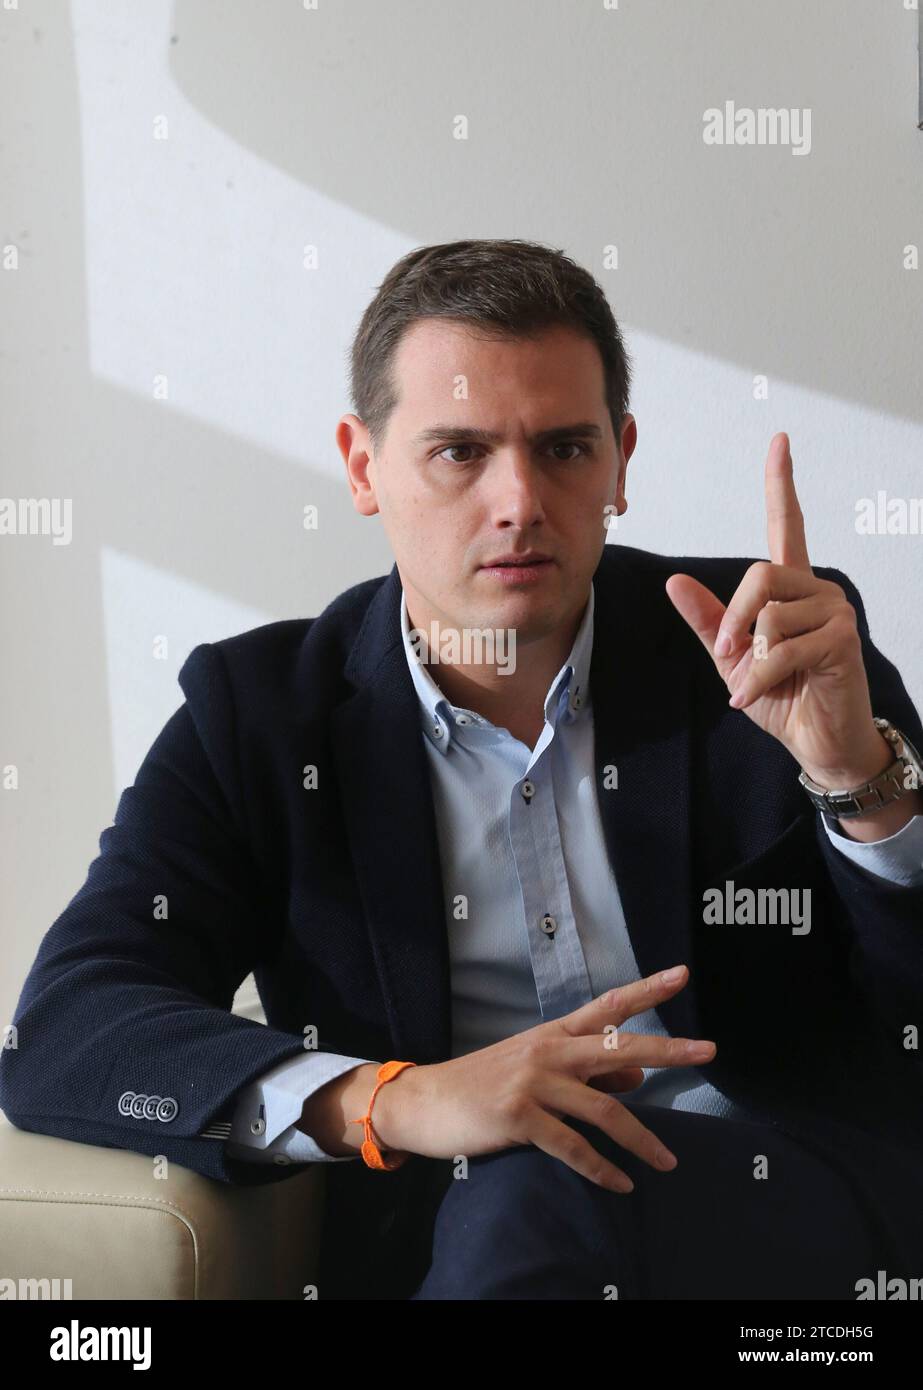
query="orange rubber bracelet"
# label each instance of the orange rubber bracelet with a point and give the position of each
(370, 1149)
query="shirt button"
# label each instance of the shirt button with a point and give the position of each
(528, 790)
(281, 1159)
(462, 719)
(257, 1126)
(549, 925)
(437, 731)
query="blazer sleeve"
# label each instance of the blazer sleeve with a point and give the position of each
(885, 920)
(898, 858)
(123, 1034)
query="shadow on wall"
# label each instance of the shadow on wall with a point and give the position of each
(604, 146)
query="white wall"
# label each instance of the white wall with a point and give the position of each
(141, 257)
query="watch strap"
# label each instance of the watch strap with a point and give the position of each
(888, 785)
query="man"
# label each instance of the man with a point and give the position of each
(479, 863)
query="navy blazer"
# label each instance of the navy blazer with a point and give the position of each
(333, 898)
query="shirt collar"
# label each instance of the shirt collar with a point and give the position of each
(441, 717)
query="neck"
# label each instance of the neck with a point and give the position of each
(512, 699)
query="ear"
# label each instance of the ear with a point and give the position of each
(629, 437)
(355, 445)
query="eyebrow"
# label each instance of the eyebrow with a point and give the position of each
(466, 434)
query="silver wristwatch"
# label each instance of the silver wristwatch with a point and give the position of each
(904, 775)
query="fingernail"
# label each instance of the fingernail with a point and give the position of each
(665, 1159)
(698, 1049)
(723, 644)
(737, 699)
(669, 977)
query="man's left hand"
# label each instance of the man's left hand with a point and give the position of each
(801, 676)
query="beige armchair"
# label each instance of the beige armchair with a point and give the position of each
(101, 1219)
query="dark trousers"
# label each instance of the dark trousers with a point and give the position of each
(524, 1225)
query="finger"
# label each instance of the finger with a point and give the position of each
(778, 621)
(609, 1051)
(784, 519)
(764, 582)
(609, 1115)
(698, 606)
(562, 1142)
(620, 1003)
(626, 1079)
(802, 653)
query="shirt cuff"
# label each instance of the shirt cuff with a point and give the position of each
(264, 1126)
(896, 859)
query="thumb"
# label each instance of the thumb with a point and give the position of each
(700, 609)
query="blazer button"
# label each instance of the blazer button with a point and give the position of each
(150, 1107)
(167, 1110)
(137, 1107)
(125, 1100)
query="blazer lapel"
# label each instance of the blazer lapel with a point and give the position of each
(641, 689)
(391, 825)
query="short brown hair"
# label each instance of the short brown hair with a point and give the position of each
(505, 287)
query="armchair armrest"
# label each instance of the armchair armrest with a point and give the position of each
(100, 1218)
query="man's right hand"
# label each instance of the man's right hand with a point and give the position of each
(515, 1091)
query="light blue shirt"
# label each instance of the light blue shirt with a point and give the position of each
(534, 920)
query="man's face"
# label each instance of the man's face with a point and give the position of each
(450, 503)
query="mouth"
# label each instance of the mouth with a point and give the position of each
(519, 569)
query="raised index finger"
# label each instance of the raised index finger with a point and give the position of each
(784, 519)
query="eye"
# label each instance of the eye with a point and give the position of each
(570, 444)
(562, 444)
(450, 447)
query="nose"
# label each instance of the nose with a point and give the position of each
(514, 483)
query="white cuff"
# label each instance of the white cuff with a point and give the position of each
(896, 859)
(274, 1102)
